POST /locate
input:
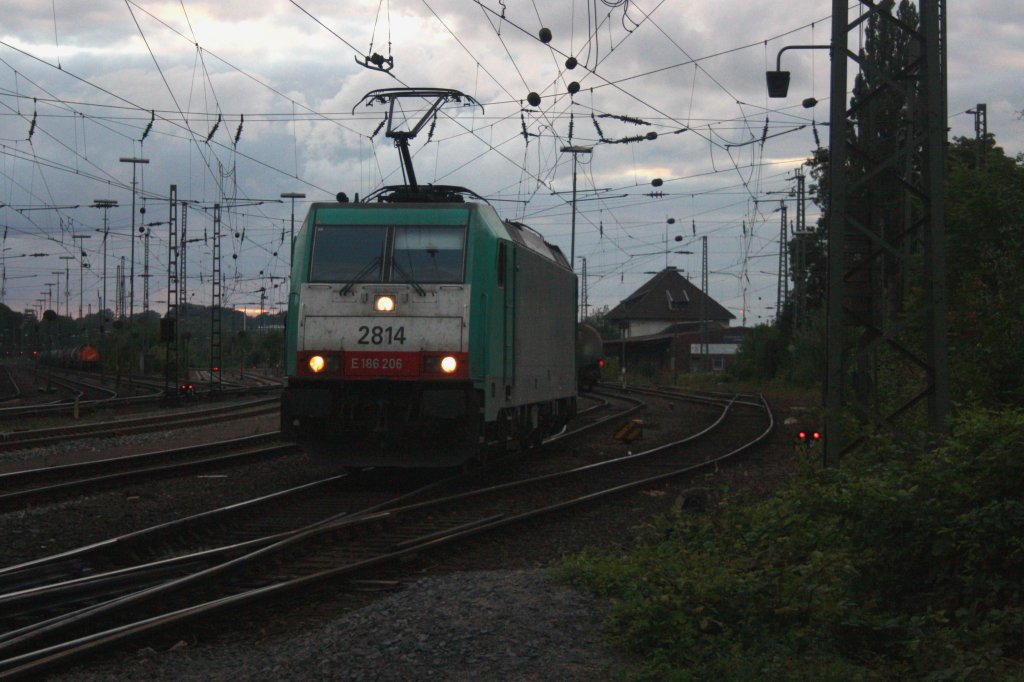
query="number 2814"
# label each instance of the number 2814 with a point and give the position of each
(376, 336)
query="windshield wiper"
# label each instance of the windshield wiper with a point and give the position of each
(415, 285)
(359, 275)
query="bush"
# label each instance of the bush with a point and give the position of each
(894, 566)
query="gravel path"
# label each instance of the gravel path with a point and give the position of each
(479, 625)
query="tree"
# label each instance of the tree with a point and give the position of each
(985, 227)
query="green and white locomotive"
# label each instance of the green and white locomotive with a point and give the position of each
(419, 333)
(424, 330)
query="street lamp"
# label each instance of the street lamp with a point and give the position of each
(778, 80)
(575, 150)
(131, 277)
(291, 243)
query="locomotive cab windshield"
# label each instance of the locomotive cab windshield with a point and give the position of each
(414, 254)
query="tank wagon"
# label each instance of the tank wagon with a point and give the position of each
(86, 356)
(589, 356)
(424, 330)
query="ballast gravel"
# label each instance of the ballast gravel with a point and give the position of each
(483, 611)
(518, 625)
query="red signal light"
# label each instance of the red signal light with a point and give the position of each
(816, 436)
(802, 435)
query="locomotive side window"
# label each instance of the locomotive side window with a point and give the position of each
(428, 254)
(348, 254)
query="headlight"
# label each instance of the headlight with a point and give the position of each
(384, 304)
(448, 364)
(317, 363)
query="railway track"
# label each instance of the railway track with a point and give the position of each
(46, 484)
(93, 559)
(17, 440)
(20, 489)
(185, 545)
(81, 393)
(348, 544)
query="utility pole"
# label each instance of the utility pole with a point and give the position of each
(704, 304)
(980, 112)
(67, 285)
(799, 232)
(105, 204)
(782, 290)
(583, 288)
(145, 270)
(169, 328)
(81, 269)
(119, 279)
(216, 347)
(575, 150)
(861, 245)
(58, 273)
(131, 277)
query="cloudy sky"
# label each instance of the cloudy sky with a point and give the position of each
(249, 100)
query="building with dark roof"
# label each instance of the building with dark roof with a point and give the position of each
(664, 325)
(667, 300)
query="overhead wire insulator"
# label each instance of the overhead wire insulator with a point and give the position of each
(627, 140)
(238, 133)
(32, 128)
(600, 133)
(215, 126)
(152, 117)
(627, 119)
(377, 129)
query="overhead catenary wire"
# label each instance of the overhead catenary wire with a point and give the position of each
(541, 176)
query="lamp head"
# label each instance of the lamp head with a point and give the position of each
(778, 83)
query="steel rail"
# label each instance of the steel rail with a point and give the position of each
(30, 661)
(10, 440)
(47, 566)
(35, 484)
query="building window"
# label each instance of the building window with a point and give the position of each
(717, 363)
